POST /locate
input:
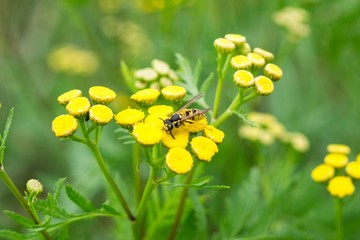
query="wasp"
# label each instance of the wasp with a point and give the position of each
(183, 115)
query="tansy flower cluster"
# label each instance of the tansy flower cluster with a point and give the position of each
(269, 129)
(157, 76)
(193, 137)
(80, 108)
(254, 71)
(337, 171)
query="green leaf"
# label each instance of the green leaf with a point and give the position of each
(57, 189)
(109, 209)
(200, 213)
(197, 71)
(5, 134)
(202, 184)
(12, 235)
(23, 221)
(207, 83)
(128, 76)
(244, 118)
(79, 199)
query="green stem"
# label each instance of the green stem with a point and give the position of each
(181, 206)
(137, 179)
(219, 85)
(15, 191)
(338, 219)
(229, 111)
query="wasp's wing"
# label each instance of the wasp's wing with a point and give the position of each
(199, 112)
(194, 99)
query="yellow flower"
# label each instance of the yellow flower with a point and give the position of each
(146, 74)
(237, 39)
(223, 45)
(263, 85)
(322, 173)
(336, 160)
(181, 139)
(160, 66)
(268, 56)
(146, 96)
(353, 169)
(273, 72)
(160, 110)
(100, 114)
(240, 62)
(129, 117)
(256, 60)
(299, 141)
(204, 148)
(243, 78)
(34, 187)
(78, 107)
(65, 98)
(341, 186)
(173, 93)
(102, 95)
(214, 134)
(245, 49)
(155, 120)
(194, 126)
(146, 134)
(64, 125)
(338, 148)
(179, 160)
(358, 158)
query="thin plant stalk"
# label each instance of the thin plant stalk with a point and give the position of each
(338, 219)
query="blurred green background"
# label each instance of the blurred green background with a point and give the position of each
(317, 96)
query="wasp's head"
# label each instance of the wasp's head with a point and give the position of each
(168, 125)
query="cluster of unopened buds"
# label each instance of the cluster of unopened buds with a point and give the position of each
(146, 124)
(337, 171)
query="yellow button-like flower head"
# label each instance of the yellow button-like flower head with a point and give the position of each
(65, 98)
(322, 173)
(341, 186)
(161, 110)
(256, 60)
(338, 148)
(268, 56)
(78, 107)
(34, 187)
(240, 62)
(64, 125)
(146, 97)
(102, 95)
(146, 134)
(204, 148)
(179, 160)
(160, 66)
(129, 117)
(194, 126)
(173, 93)
(181, 139)
(243, 78)
(353, 169)
(100, 114)
(336, 160)
(214, 134)
(155, 121)
(273, 72)
(237, 39)
(263, 85)
(223, 45)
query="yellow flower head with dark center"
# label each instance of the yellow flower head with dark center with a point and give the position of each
(64, 125)
(240, 62)
(78, 107)
(339, 148)
(268, 56)
(34, 187)
(214, 134)
(100, 114)
(237, 39)
(204, 148)
(263, 85)
(65, 98)
(179, 160)
(161, 110)
(173, 93)
(353, 169)
(181, 139)
(243, 78)
(322, 173)
(273, 72)
(256, 60)
(223, 45)
(341, 186)
(146, 134)
(102, 95)
(129, 117)
(336, 160)
(146, 96)
(194, 126)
